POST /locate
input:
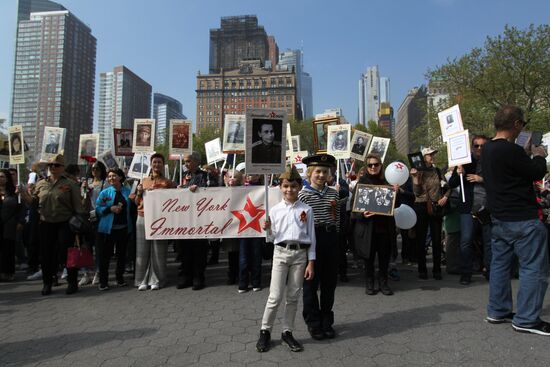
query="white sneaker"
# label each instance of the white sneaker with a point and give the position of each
(155, 287)
(84, 280)
(35, 276)
(143, 287)
(95, 281)
(64, 275)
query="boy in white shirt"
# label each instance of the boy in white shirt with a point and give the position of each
(290, 225)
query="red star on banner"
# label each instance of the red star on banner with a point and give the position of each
(249, 217)
(298, 158)
(399, 166)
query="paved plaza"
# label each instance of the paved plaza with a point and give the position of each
(425, 323)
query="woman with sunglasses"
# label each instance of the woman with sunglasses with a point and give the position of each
(373, 234)
(115, 225)
(58, 199)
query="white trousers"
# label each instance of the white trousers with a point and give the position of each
(287, 273)
(150, 258)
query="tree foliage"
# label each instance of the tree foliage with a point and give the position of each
(511, 68)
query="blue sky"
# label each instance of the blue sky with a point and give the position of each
(166, 41)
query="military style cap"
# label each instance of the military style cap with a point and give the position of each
(291, 174)
(428, 150)
(325, 160)
(57, 159)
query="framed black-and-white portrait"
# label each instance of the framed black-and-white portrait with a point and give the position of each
(140, 166)
(360, 145)
(108, 159)
(320, 133)
(378, 199)
(450, 122)
(265, 134)
(338, 144)
(53, 142)
(296, 143)
(416, 160)
(16, 144)
(379, 146)
(87, 147)
(144, 136)
(234, 129)
(213, 151)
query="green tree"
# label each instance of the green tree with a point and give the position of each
(511, 68)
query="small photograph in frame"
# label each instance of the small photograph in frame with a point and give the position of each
(339, 141)
(265, 134)
(140, 166)
(296, 143)
(108, 159)
(378, 199)
(379, 146)
(213, 151)
(458, 149)
(53, 142)
(234, 129)
(181, 137)
(320, 133)
(123, 139)
(16, 144)
(450, 122)
(144, 136)
(87, 146)
(360, 145)
(416, 160)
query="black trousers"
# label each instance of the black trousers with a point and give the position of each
(317, 311)
(55, 238)
(118, 240)
(193, 253)
(7, 256)
(380, 244)
(423, 222)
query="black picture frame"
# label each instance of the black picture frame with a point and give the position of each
(377, 199)
(416, 160)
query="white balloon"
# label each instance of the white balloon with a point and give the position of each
(397, 173)
(405, 217)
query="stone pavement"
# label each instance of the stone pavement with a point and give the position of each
(425, 323)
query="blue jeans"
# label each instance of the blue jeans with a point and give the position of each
(250, 262)
(528, 240)
(466, 243)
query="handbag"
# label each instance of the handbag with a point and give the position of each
(79, 224)
(79, 257)
(433, 208)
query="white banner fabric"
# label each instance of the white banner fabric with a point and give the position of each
(217, 212)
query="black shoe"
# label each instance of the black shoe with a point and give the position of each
(384, 287)
(344, 278)
(264, 341)
(465, 279)
(370, 287)
(292, 343)
(437, 276)
(542, 328)
(71, 288)
(329, 332)
(198, 286)
(422, 275)
(103, 287)
(55, 281)
(47, 290)
(500, 319)
(316, 333)
(184, 284)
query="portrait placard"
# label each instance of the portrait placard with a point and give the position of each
(108, 159)
(53, 142)
(144, 136)
(450, 122)
(4, 148)
(417, 161)
(302, 170)
(338, 141)
(234, 129)
(123, 139)
(458, 149)
(16, 144)
(213, 151)
(379, 146)
(320, 133)
(296, 143)
(87, 147)
(136, 170)
(360, 145)
(265, 134)
(181, 137)
(378, 199)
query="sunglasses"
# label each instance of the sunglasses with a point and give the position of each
(478, 146)
(56, 165)
(372, 165)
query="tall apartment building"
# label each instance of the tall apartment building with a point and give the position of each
(250, 86)
(165, 108)
(292, 60)
(369, 95)
(54, 74)
(385, 90)
(123, 97)
(239, 38)
(409, 116)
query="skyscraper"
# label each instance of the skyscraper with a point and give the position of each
(385, 90)
(165, 109)
(410, 114)
(54, 74)
(307, 95)
(370, 95)
(273, 52)
(239, 38)
(290, 60)
(123, 97)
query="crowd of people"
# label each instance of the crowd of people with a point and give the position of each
(489, 216)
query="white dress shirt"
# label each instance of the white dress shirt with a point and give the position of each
(293, 222)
